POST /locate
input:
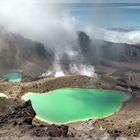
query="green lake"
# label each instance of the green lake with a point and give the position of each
(13, 77)
(73, 104)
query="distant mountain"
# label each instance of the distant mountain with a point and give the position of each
(96, 51)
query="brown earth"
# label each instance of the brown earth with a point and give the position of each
(17, 117)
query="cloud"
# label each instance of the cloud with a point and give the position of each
(41, 22)
(129, 36)
(54, 26)
(51, 24)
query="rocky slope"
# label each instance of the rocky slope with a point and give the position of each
(17, 117)
(20, 54)
(97, 51)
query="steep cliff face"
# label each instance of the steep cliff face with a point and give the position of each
(19, 53)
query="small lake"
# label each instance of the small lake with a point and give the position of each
(13, 77)
(72, 105)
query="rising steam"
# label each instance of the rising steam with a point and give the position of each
(82, 70)
(51, 24)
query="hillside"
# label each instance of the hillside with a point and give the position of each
(21, 54)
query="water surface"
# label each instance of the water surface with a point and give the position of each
(72, 105)
(13, 77)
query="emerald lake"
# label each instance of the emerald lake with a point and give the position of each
(73, 104)
(13, 77)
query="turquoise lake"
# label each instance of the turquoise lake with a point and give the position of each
(72, 105)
